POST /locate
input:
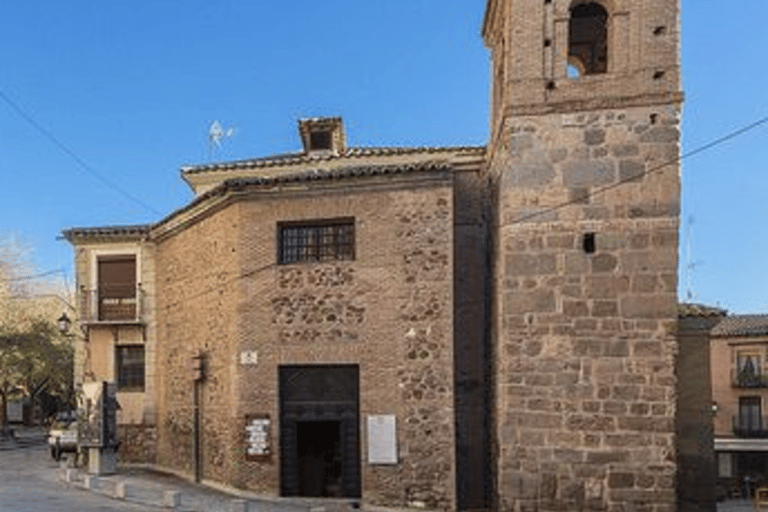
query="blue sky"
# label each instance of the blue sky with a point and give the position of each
(131, 87)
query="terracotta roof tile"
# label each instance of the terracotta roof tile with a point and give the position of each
(301, 157)
(687, 309)
(107, 231)
(742, 325)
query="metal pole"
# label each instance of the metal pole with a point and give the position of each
(196, 431)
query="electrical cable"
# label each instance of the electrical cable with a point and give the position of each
(52, 138)
(652, 170)
(33, 276)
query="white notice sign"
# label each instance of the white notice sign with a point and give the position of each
(382, 439)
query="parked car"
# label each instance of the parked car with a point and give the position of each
(62, 436)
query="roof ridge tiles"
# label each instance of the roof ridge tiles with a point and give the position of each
(296, 157)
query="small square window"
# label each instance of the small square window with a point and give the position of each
(130, 367)
(320, 240)
(320, 140)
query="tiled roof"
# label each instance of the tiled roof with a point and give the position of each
(105, 231)
(686, 309)
(316, 175)
(742, 325)
(301, 157)
(341, 173)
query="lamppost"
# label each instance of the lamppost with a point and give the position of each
(64, 324)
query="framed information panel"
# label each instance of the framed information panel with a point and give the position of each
(258, 439)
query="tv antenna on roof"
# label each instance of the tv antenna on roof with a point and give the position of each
(690, 265)
(217, 133)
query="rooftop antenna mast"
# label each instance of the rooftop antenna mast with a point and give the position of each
(690, 265)
(217, 133)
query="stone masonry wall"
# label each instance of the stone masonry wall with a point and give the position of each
(197, 300)
(138, 443)
(389, 311)
(586, 287)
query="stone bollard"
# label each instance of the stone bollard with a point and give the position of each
(121, 490)
(238, 506)
(171, 499)
(91, 483)
(70, 475)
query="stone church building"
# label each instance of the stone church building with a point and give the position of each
(449, 328)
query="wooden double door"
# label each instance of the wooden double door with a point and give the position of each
(319, 431)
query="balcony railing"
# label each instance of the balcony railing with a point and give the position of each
(750, 426)
(108, 306)
(748, 379)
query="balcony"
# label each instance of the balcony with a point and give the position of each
(112, 306)
(750, 426)
(748, 379)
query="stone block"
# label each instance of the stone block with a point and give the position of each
(591, 422)
(604, 262)
(575, 308)
(529, 175)
(661, 135)
(631, 170)
(594, 137)
(121, 490)
(625, 392)
(540, 420)
(91, 483)
(621, 480)
(171, 499)
(588, 173)
(530, 264)
(625, 150)
(576, 263)
(603, 458)
(536, 301)
(606, 287)
(649, 306)
(603, 308)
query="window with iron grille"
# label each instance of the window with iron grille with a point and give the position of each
(130, 367)
(317, 240)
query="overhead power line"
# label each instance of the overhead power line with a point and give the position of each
(33, 276)
(48, 135)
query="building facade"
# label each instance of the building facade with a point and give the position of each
(740, 394)
(449, 328)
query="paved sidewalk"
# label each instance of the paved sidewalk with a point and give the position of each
(740, 505)
(162, 490)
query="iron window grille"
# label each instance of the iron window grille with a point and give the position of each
(318, 240)
(130, 367)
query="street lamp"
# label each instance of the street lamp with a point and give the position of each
(64, 323)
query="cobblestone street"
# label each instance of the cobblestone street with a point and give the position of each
(28, 482)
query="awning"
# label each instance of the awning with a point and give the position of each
(741, 445)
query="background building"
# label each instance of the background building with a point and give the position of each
(739, 392)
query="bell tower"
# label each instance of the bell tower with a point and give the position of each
(583, 158)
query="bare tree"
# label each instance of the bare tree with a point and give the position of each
(35, 358)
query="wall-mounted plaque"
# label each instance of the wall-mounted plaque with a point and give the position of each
(249, 357)
(382, 439)
(257, 437)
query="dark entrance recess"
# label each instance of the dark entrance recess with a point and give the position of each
(319, 432)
